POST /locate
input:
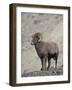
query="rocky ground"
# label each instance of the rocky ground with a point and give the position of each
(50, 72)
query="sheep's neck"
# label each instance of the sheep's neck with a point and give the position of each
(38, 46)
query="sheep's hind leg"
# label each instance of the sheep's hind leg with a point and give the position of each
(56, 57)
(49, 63)
(55, 71)
(56, 64)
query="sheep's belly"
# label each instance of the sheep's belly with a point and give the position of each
(43, 53)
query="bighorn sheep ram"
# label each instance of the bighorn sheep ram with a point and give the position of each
(45, 50)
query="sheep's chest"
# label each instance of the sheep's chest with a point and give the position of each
(41, 50)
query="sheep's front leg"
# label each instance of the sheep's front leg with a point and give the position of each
(49, 63)
(44, 64)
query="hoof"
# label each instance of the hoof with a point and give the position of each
(47, 68)
(41, 69)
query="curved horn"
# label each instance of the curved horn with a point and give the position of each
(39, 36)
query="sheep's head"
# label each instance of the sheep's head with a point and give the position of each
(37, 37)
